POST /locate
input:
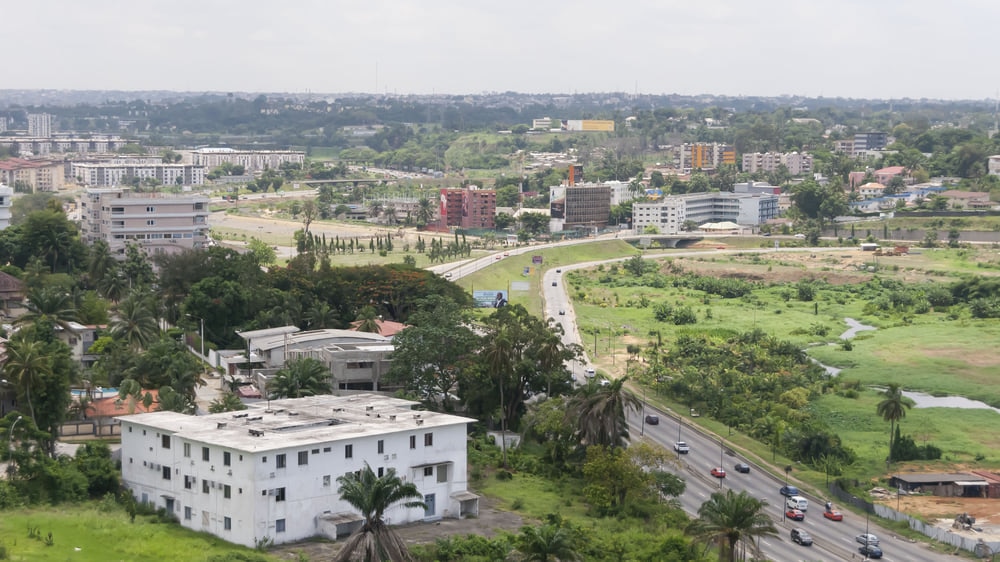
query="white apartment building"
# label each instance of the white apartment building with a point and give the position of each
(39, 125)
(994, 165)
(251, 160)
(6, 201)
(796, 163)
(156, 222)
(243, 476)
(669, 214)
(121, 172)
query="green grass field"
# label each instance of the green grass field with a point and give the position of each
(83, 532)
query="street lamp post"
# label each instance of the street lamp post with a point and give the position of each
(10, 444)
(642, 418)
(201, 332)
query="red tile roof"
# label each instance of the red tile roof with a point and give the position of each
(386, 328)
(114, 406)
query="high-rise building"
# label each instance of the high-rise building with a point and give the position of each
(39, 125)
(6, 200)
(870, 141)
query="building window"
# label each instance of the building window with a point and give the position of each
(381, 446)
(227, 491)
(428, 471)
(279, 495)
(348, 451)
(279, 526)
(204, 454)
(381, 471)
(442, 473)
(188, 482)
(151, 222)
(303, 457)
(413, 441)
(150, 209)
(279, 460)
(187, 450)
(227, 458)
(428, 439)
(187, 513)
(166, 473)
(165, 441)
(315, 451)
(326, 449)
(326, 480)
(227, 524)
(204, 486)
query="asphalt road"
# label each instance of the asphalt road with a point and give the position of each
(833, 541)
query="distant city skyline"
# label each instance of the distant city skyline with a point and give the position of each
(888, 49)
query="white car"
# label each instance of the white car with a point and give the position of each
(682, 448)
(800, 235)
(867, 539)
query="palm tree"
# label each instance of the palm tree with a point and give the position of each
(228, 402)
(372, 496)
(301, 377)
(728, 518)
(48, 305)
(390, 214)
(375, 209)
(425, 211)
(135, 322)
(26, 363)
(368, 320)
(893, 408)
(114, 286)
(321, 316)
(548, 542)
(101, 264)
(602, 412)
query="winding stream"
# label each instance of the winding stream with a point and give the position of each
(920, 399)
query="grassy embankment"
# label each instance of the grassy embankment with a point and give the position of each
(84, 532)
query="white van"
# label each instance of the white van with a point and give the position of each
(590, 373)
(797, 502)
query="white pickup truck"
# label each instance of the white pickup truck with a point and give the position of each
(682, 448)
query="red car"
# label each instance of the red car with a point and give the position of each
(718, 472)
(795, 515)
(833, 515)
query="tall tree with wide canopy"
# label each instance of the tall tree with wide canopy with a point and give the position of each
(134, 321)
(432, 354)
(372, 495)
(25, 365)
(892, 409)
(300, 377)
(729, 519)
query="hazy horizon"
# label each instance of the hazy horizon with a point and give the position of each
(849, 49)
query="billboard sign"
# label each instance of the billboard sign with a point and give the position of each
(489, 298)
(536, 260)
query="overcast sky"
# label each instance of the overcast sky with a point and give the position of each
(848, 48)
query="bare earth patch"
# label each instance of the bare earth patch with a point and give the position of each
(491, 520)
(942, 511)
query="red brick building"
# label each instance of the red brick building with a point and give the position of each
(468, 207)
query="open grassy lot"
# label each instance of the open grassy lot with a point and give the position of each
(931, 352)
(84, 532)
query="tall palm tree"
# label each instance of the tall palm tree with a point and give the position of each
(547, 542)
(372, 496)
(100, 263)
(300, 377)
(321, 316)
(601, 411)
(375, 209)
(135, 321)
(368, 320)
(48, 305)
(26, 363)
(498, 353)
(893, 408)
(728, 519)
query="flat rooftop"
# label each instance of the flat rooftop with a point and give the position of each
(298, 422)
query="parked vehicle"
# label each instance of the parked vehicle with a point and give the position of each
(802, 537)
(742, 467)
(718, 472)
(590, 373)
(789, 491)
(795, 515)
(682, 448)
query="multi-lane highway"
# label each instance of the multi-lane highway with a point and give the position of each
(832, 540)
